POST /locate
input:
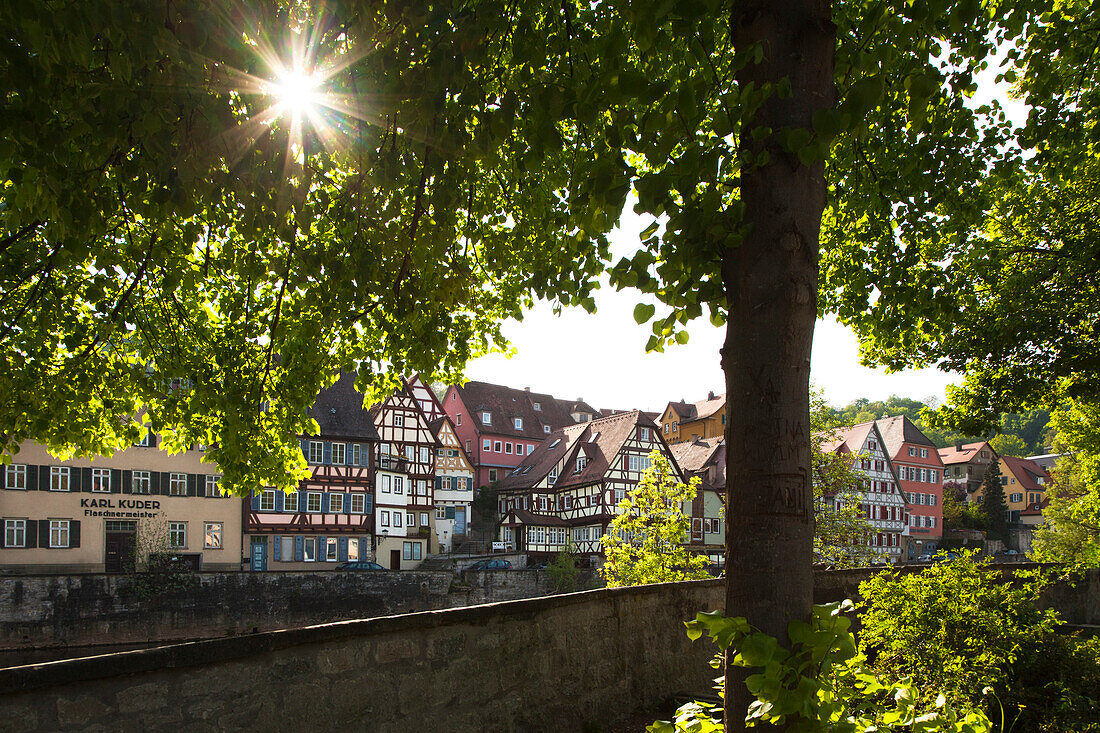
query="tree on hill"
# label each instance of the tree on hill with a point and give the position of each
(993, 503)
(1008, 445)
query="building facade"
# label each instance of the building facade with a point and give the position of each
(880, 498)
(966, 464)
(686, 421)
(705, 458)
(330, 518)
(1025, 487)
(920, 476)
(454, 487)
(499, 426)
(567, 490)
(110, 514)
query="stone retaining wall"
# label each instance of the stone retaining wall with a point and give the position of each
(557, 663)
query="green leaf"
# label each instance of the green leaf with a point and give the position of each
(643, 312)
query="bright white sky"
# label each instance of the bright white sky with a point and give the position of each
(608, 366)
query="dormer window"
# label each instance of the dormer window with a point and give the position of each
(871, 445)
(582, 461)
(556, 441)
(552, 476)
(485, 418)
(538, 407)
(518, 422)
(546, 429)
(643, 433)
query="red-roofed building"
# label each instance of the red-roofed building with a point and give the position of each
(569, 487)
(881, 500)
(966, 464)
(706, 458)
(500, 426)
(682, 421)
(1025, 485)
(920, 476)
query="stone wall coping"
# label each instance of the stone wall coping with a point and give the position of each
(15, 680)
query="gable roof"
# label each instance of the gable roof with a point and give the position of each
(505, 404)
(1027, 473)
(698, 410)
(846, 440)
(425, 395)
(899, 430)
(699, 455)
(339, 411)
(598, 440)
(953, 454)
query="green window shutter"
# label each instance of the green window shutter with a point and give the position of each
(74, 533)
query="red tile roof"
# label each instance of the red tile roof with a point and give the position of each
(952, 455)
(339, 411)
(1027, 473)
(898, 431)
(505, 404)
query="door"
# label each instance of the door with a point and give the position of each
(259, 554)
(395, 559)
(119, 557)
(460, 520)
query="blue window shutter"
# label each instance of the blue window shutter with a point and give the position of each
(328, 453)
(276, 553)
(449, 512)
(368, 505)
(438, 483)
(299, 548)
(280, 501)
(322, 549)
(255, 503)
(324, 502)
(469, 484)
(305, 447)
(347, 503)
(363, 454)
(342, 553)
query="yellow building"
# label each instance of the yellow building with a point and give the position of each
(102, 514)
(1025, 485)
(683, 421)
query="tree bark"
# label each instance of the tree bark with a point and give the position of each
(771, 292)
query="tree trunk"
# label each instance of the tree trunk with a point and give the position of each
(771, 291)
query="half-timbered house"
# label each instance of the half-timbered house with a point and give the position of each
(569, 487)
(920, 473)
(330, 519)
(705, 458)
(454, 487)
(880, 498)
(407, 445)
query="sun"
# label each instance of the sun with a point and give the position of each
(297, 92)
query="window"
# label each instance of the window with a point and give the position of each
(313, 503)
(486, 444)
(492, 475)
(15, 533)
(546, 429)
(871, 445)
(101, 480)
(385, 484)
(538, 407)
(316, 451)
(397, 519)
(440, 512)
(212, 536)
(508, 448)
(912, 451)
(582, 461)
(518, 423)
(638, 463)
(643, 433)
(339, 453)
(666, 428)
(211, 486)
(620, 494)
(496, 446)
(1015, 497)
(399, 421)
(410, 453)
(423, 519)
(59, 533)
(59, 478)
(398, 485)
(177, 535)
(445, 483)
(309, 549)
(385, 518)
(530, 448)
(425, 455)
(485, 419)
(336, 503)
(410, 520)
(177, 484)
(410, 551)
(290, 502)
(267, 501)
(358, 503)
(923, 452)
(15, 477)
(468, 446)
(356, 455)
(353, 549)
(458, 419)
(146, 440)
(331, 549)
(553, 476)
(140, 482)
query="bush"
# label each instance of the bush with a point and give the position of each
(959, 628)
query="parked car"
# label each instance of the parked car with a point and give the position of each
(926, 557)
(359, 565)
(491, 565)
(537, 566)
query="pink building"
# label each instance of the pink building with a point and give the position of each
(920, 476)
(499, 426)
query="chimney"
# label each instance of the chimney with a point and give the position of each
(959, 446)
(710, 395)
(526, 389)
(580, 399)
